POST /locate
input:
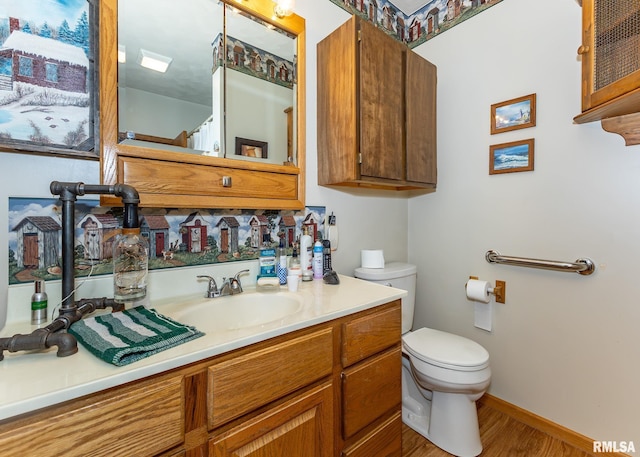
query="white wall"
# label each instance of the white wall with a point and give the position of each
(564, 346)
(139, 113)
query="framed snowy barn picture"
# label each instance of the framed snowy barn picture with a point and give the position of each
(48, 82)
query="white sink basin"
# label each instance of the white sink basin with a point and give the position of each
(245, 310)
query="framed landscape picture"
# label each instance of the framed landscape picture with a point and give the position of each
(518, 113)
(48, 87)
(511, 157)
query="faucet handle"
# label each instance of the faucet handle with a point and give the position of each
(236, 285)
(212, 289)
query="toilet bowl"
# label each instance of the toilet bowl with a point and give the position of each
(442, 374)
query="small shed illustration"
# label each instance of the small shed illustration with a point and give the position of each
(433, 21)
(287, 226)
(373, 11)
(156, 230)
(229, 227)
(38, 242)
(401, 29)
(312, 226)
(44, 62)
(260, 235)
(99, 232)
(194, 232)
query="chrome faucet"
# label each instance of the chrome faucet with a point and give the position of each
(232, 286)
(212, 289)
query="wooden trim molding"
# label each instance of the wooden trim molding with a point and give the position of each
(558, 431)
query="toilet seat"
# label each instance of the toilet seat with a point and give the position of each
(446, 350)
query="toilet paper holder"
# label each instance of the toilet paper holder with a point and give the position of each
(499, 291)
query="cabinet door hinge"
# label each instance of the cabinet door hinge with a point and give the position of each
(359, 35)
(359, 157)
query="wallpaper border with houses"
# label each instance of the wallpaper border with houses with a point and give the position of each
(436, 17)
(251, 60)
(177, 238)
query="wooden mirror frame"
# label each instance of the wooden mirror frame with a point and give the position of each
(162, 177)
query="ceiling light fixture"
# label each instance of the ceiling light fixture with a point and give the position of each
(153, 61)
(283, 8)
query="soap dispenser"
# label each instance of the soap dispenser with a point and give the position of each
(130, 266)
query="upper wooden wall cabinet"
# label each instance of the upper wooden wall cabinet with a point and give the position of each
(610, 54)
(376, 111)
(187, 180)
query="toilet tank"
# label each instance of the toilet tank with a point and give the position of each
(398, 275)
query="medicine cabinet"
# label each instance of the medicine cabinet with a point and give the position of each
(610, 53)
(223, 126)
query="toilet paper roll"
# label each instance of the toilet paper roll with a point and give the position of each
(372, 258)
(478, 291)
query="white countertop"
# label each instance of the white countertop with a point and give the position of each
(34, 380)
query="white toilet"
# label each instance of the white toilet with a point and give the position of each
(442, 374)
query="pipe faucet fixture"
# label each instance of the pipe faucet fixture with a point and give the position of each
(70, 310)
(68, 192)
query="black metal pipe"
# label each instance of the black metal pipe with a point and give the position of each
(46, 337)
(40, 339)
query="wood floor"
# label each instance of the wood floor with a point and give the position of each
(501, 435)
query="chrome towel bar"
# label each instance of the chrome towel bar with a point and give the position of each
(583, 266)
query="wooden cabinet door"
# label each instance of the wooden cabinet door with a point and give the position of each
(299, 427)
(420, 100)
(337, 106)
(610, 55)
(382, 126)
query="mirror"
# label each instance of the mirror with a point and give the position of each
(230, 87)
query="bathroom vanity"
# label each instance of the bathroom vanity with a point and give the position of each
(323, 382)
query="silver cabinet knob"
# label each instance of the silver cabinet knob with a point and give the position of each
(226, 181)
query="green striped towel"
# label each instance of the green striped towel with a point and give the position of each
(124, 337)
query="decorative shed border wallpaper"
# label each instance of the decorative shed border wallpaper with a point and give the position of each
(177, 238)
(414, 29)
(253, 61)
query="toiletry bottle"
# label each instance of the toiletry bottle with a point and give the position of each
(294, 264)
(306, 253)
(317, 260)
(39, 303)
(130, 265)
(281, 263)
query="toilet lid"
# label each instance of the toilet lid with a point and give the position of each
(446, 350)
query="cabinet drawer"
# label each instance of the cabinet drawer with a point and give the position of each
(142, 421)
(161, 177)
(370, 389)
(296, 428)
(383, 441)
(247, 382)
(369, 334)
